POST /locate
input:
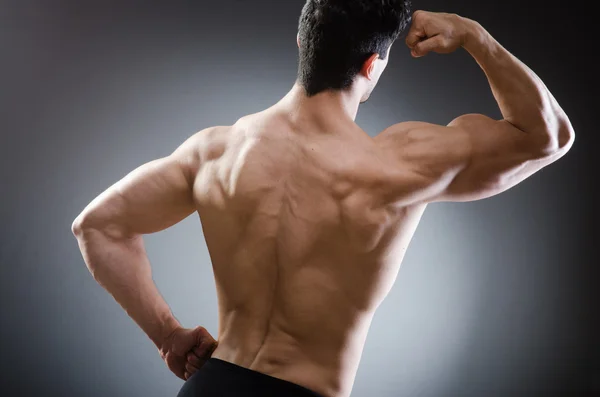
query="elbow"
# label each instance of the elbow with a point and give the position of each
(79, 225)
(557, 138)
(566, 135)
(86, 222)
(563, 137)
(92, 223)
(80, 229)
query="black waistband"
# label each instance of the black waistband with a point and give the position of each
(224, 379)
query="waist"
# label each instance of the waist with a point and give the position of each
(229, 379)
(323, 367)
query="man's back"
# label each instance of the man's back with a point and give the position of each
(306, 217)
(303, 243)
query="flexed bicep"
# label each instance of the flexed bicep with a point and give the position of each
(500, 157)
(473, 158)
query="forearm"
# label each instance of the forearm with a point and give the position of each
(122, 267)
(523, 98)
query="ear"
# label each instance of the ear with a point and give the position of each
(369, 66)
(298, 39)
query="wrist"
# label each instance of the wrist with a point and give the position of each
(474, 36)
(164, 333)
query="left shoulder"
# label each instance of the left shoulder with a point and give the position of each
(204, 146)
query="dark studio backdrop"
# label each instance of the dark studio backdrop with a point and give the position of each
(495, 298)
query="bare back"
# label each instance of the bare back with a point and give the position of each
(307, 218)
(304, 247)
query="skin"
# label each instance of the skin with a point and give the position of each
(307, 218)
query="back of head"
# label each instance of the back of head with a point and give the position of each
(338, 36)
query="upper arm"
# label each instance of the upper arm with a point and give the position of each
(473, 158)
(500, 156)
(149, 199)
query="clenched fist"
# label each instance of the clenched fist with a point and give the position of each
(186, 350)
(438, 32)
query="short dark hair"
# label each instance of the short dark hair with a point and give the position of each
(338, 36)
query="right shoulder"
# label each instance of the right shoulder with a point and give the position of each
(419, 144)
(421, 159)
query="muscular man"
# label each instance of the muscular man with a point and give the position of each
(306, 217)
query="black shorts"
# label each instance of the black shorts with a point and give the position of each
(218, 378)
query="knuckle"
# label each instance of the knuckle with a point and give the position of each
(419, 15)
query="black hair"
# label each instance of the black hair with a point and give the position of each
(338, 36)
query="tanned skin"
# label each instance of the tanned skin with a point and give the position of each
(307, 218)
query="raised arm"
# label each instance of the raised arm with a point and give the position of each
(475, 157)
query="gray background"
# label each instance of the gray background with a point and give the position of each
(495, 298)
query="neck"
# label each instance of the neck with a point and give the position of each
(342, 104)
